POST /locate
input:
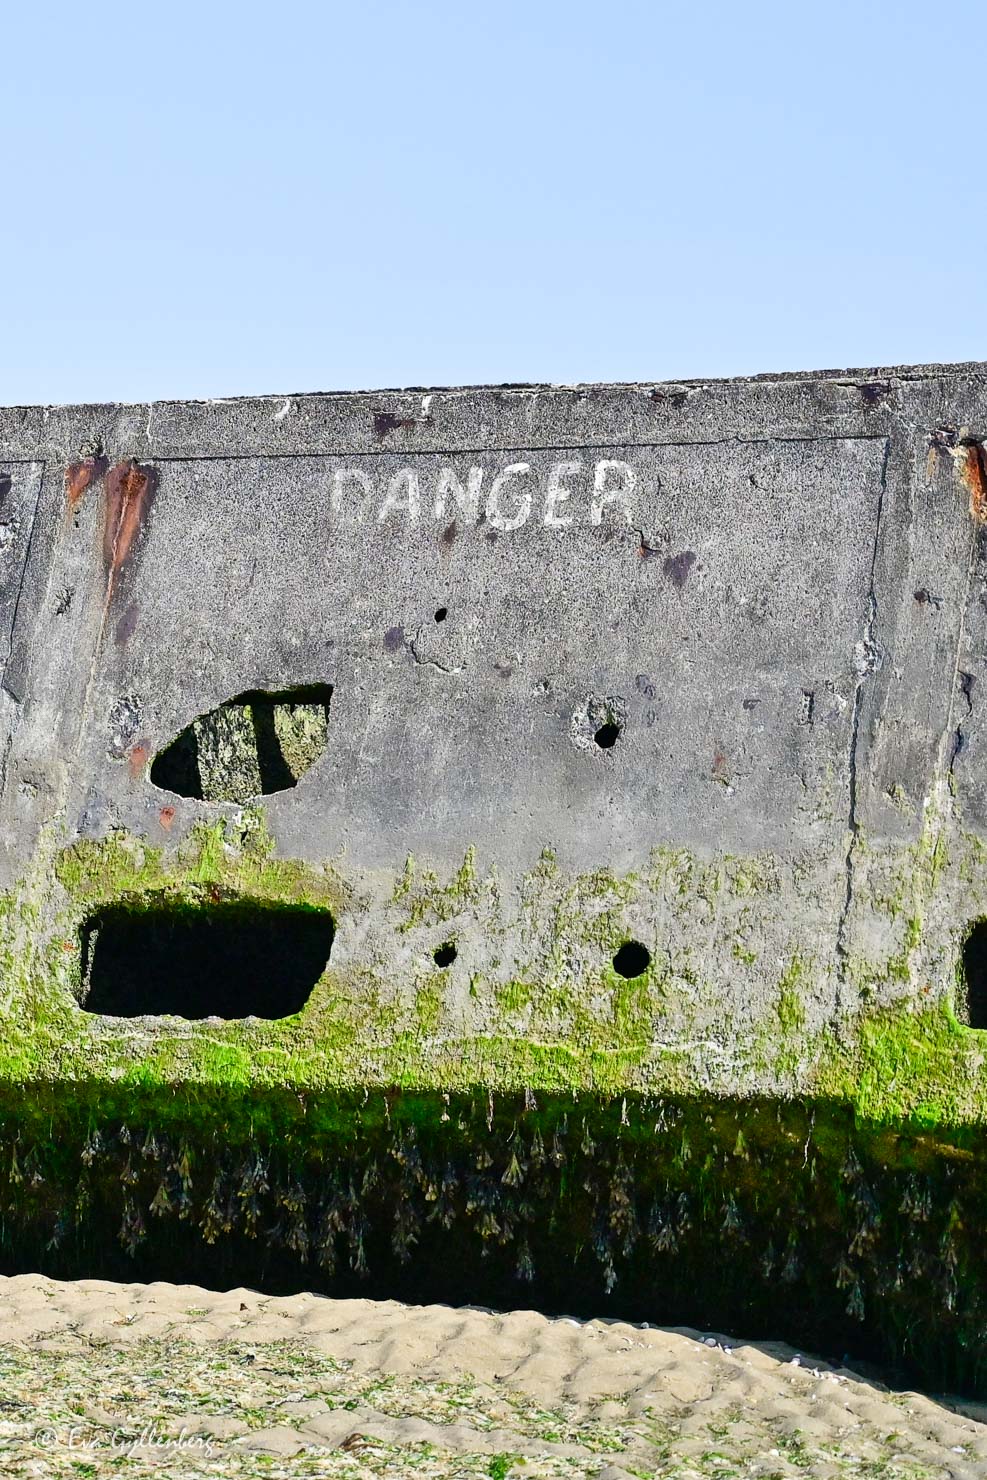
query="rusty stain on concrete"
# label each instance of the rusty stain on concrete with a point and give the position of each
(970, 461)
(137, 757)
(386, 422)
(130, 489)
(80, 476)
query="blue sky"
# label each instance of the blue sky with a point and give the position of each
(214, 199)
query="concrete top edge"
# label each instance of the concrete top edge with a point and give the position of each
(895, 372)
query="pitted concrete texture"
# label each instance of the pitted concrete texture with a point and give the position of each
(714, 646)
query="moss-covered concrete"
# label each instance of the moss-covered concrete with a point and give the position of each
(534, 1115)
(532, 999)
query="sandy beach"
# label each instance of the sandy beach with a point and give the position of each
(108, 1379)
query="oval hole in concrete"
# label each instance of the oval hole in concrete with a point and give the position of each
(607, 736)
(254, 745)
(631, 959)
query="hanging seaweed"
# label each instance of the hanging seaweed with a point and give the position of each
(782, 1220)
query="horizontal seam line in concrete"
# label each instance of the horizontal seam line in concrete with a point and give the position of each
(513, 447)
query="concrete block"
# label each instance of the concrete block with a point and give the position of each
(630, 736)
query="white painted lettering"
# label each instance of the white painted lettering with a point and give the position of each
(507, 494)
(402, 496)
(497, 518)
(618, 493)
(558, 493)
(467, 500)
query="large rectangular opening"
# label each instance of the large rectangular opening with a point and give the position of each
(227, 958)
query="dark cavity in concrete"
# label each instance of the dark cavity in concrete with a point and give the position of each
(233, 959)
(631, 959)
(252, 745)
(445, 954)
(975, 974)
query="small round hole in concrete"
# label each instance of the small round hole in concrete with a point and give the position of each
(598, 722)
(441, 613)
(445, 954)
(631, 959)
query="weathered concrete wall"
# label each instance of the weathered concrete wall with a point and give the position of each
(774, 590)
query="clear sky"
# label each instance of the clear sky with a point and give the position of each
(214, 199)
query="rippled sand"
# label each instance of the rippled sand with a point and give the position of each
(106, 1379)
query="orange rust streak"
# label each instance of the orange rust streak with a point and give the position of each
(82, 475)
(974, 476)
(166, 817)
(128, 489)
(137, 757)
